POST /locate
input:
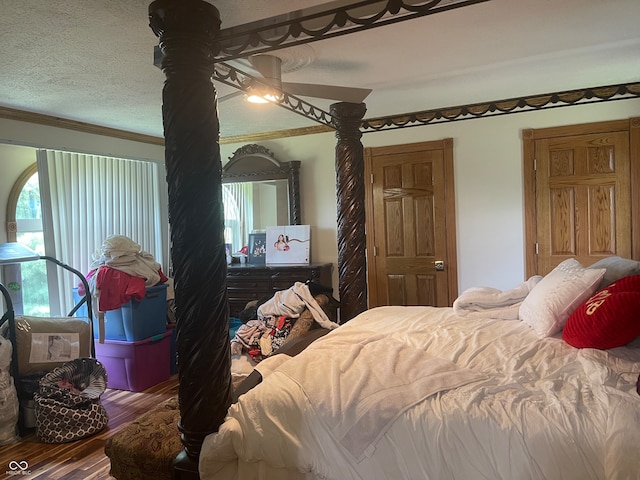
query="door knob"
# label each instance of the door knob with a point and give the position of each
(439, 264)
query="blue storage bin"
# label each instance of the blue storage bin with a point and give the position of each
(134, 320)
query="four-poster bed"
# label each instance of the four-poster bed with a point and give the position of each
(188, 34)
(191, 43)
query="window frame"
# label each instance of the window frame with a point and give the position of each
(12, 202)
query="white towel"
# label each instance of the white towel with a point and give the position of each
(492, 302)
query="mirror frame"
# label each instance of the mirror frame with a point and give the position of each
(254, 163)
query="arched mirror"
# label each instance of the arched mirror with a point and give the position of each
(258, 191)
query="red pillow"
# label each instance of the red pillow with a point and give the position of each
(610, 318)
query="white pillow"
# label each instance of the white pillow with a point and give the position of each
(615, 269)
(549, 304)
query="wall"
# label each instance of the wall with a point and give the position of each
(42, 136)
(488, 178)
(488, 181)
(20, 140)
(488, 184)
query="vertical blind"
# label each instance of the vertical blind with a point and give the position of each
(237, 199)
(86, 198)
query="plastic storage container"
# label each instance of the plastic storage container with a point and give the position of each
(134, 320)
(136, 366)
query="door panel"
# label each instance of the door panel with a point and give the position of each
(407, 226)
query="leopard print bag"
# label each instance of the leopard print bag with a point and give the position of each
(67, 403)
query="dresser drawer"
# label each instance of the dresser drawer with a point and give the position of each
(249, 279)
(248, 283)
(283, 282)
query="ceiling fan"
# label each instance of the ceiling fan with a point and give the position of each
(267, 69)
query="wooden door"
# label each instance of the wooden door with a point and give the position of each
(583, 194)
(410, 224)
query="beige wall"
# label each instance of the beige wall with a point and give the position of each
(487, 162)
(488, 183)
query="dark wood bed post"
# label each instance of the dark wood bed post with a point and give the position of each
(187, 30)
(352, 264)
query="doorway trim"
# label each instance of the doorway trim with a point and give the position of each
(446, 145)
(529, 137)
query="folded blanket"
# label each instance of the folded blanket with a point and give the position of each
(360, 394)
(492, 302)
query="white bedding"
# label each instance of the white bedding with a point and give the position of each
(529, 408)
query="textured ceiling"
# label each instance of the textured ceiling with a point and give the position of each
(92, 61)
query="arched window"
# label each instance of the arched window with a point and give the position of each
(24, 225)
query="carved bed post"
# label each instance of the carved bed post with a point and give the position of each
(294, 194)
(352, 265)
(187, 30)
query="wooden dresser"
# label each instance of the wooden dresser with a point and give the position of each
(252, 282)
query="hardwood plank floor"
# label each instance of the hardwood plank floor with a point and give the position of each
(83, 459)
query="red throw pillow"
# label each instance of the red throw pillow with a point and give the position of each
(608, 319)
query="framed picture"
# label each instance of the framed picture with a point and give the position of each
(257, 248)
(290, 244)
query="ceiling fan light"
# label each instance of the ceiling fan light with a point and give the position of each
(253, 98)
(262, 96)
(271, 97)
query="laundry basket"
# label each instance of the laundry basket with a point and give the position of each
(67, 403)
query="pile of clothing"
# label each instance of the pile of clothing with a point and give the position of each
(120, 271)
(268, 323)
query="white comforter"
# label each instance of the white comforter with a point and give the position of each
(525, 408)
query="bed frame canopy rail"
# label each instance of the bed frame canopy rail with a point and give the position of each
(191, 43)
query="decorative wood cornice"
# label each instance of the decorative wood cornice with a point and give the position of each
(306, 26)
(317, 23)
(503, 107)
(425, 117)
(252, 149)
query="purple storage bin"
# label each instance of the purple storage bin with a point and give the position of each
(136, 366)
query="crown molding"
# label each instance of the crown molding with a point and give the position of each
(57, 122)
(425, 117)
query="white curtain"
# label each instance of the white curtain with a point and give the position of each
(86, 198)
(238, 213)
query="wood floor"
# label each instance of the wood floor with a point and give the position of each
(83, 459)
